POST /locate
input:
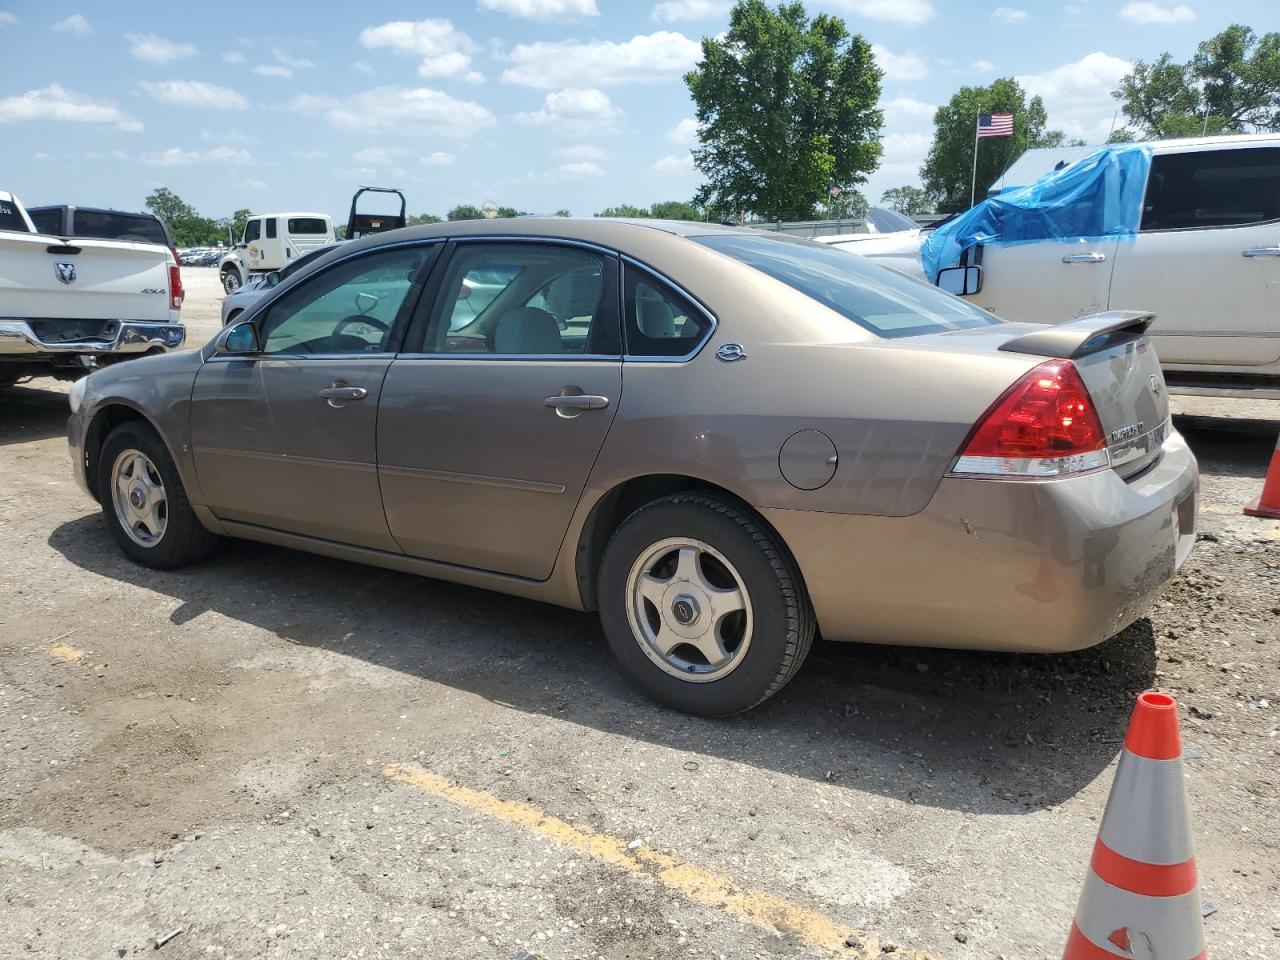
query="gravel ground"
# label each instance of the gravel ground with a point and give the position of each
(282, 755)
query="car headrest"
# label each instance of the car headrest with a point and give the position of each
(527, 330)
(655, 318)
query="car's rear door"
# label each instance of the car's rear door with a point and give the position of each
(490, 422)
(1207, 260)
(285, 438)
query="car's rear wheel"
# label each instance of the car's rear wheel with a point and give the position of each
(702, 606)
(144, 503)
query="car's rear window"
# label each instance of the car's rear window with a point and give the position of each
(307, 225)
(110, 225)
(47, 221)
(887, 303)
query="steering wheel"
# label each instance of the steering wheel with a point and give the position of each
(359, 318)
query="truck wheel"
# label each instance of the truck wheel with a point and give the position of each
(144, 503)
(703, 607)
(230, 281)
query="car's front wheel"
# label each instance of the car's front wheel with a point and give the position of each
(702, 606)
(230, 281)
(144, 503)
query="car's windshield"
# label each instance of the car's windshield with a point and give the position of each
(889, 221)
(886, 302)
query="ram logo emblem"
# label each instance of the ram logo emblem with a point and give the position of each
(66, 272)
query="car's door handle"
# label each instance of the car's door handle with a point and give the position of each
(1262, 252)
(1084, 258)
(577, 401)
(339, 393)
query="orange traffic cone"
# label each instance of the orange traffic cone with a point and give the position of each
(1140, 899)
(1268, 505)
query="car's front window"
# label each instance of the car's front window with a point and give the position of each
(886, 302)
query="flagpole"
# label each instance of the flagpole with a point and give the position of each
(973, 183)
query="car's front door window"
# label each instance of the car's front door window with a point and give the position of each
(351, 308)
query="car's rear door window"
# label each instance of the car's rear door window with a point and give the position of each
(111, 225)
(526, 299)
(888, 303)
(1212, 188)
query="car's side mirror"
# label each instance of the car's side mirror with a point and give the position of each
(962, 281)
(242, 338)
(272, 278)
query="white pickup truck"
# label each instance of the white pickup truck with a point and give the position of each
(68, 306)
(1190, 232)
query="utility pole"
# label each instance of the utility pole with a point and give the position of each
(973, 181)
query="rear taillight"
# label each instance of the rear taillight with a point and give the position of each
(1045, 425)
(175, 287)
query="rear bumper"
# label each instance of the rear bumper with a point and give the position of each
(1039, 566)
(19, 340)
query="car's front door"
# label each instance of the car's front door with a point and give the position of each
(488, 429)
(1046, 281)
(1207, 260)
(285, 437)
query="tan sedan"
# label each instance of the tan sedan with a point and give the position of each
(725, 441)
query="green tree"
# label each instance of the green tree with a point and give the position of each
(624, 210)
(1121, 135)
(562, 212)
(187, 227)
(948, 169)
(909, 201)
(168, 206)
(511, 212)
(676, 210)
(420, 218)
(232, 227)
(786, 109)
(465, 211)
(847, 205)
(1056, 138)
(1231, 85)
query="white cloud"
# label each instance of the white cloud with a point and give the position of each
(657, 56)
(233, 57)
(445, 50)
(396, 108)
(56, 102)
(982, 66)
(1152, 13)
(440, 158)
(581, 151)
(543, 9)
(576, 171)
(674, 163)
(273, 70)
(153, 49)
(907, 107)
(361, 67)
(900, 66)
(285, 59)
(1077, 95)
(7, 19)
(119, 155)
(1009, 16)
(284, 64)
(227, 136)
(574, 112)
(379, 156)
(309, 154)
(76, 23)
(195, 93)
(684, 133)
(177, 157)
(671, 10)
(908, 13)
(253, 184)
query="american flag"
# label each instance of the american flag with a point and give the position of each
(995, 125)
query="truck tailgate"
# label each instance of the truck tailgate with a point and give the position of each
(41, 277)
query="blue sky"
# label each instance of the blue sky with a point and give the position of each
(536, 104)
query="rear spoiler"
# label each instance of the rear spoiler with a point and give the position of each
(1084, 335)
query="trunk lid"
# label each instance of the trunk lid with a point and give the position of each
(97, 279)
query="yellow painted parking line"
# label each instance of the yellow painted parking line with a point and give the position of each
(773, 914)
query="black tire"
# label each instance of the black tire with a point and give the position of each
(231, 281)
(784, 622)
(184, 539)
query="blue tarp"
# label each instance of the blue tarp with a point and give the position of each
(1097, 196)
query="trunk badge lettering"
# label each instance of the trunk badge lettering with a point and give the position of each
(1126, 433)
(66, 272)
